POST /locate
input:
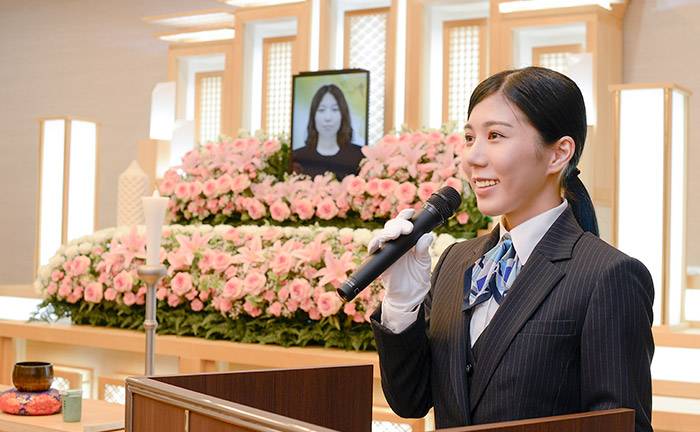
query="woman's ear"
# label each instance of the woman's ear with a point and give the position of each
(561, 153)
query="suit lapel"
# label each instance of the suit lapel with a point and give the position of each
(536, 279)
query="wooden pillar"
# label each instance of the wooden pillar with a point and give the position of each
(7, 359)
(195, 365)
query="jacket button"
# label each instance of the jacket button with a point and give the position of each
(469, 368)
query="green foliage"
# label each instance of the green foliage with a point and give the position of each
(278, 163)
(336, 331)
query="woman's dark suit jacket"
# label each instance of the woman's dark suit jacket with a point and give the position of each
(572, 335)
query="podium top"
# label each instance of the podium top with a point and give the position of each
(290, 400)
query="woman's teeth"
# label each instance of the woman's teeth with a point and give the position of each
(486, 183)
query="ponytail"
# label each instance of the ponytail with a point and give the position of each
(581, 203)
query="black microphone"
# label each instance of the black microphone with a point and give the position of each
(440, 206)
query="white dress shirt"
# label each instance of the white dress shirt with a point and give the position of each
(525, 237)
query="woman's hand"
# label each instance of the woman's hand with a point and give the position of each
(407, 281)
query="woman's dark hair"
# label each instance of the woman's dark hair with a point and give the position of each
(554, 106)
(344, 134)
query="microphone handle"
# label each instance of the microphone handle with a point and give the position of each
(390, 252)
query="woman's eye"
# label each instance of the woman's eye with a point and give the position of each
(494, 135)
(469, 139)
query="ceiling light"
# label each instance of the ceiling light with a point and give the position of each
(530, 5)
(249, 3)
(199, 36)
(209, 17)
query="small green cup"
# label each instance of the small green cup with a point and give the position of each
(72, 404)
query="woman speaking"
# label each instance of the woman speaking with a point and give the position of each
(540, 317)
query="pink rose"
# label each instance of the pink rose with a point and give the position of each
(462, 218)
(454, 139)
(123, 282)
(299, 289)
(182, 191)
(196, 305)
(195, 188)
(373, 186)
(279, 211)
(52, 288)
(56, 275)
(93, 292)
(207, 261)
(173, 300)
(223, 184)
(425, 190)
(240, 183)
(270, 147)
(210, 188)
(220, 261)
(387, 187)
(160, 294)
(80, 265)
(385, 207)
(254, 282)
(129, 298)
(349, 309)
(167, 186)
(314, 314)
(282, 263)
(233, 289)
(269, 295)
(303, 208)
(251, 309)
(110, 294)
(225, 305)
(354, 185)
(255, 208)
(455, 183)
(406, 192)
(275, 309)
(283, 294)
(181, 283)
(212, 205)
(326, 209)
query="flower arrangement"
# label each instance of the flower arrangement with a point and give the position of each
(264, 284)
(244, 180)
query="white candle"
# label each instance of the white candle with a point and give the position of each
(154, 213)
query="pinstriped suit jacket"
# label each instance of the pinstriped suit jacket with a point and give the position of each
(572, 335)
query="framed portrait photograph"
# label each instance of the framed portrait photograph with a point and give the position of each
(329, 121)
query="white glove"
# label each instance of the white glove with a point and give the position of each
(407, 281)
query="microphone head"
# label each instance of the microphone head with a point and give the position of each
(446, 201)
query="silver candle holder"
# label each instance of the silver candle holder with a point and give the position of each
(150, 274)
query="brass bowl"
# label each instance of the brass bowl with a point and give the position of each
(32, 376)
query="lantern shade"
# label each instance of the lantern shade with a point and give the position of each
(649, 214)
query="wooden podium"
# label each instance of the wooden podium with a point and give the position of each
(298, 400)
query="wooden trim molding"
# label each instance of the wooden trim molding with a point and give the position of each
(176, 52)
(301, 50)
(676, 389)
(415, 10)
(538, 51)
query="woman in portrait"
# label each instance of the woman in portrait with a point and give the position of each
(540, 317)
(328, 145)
